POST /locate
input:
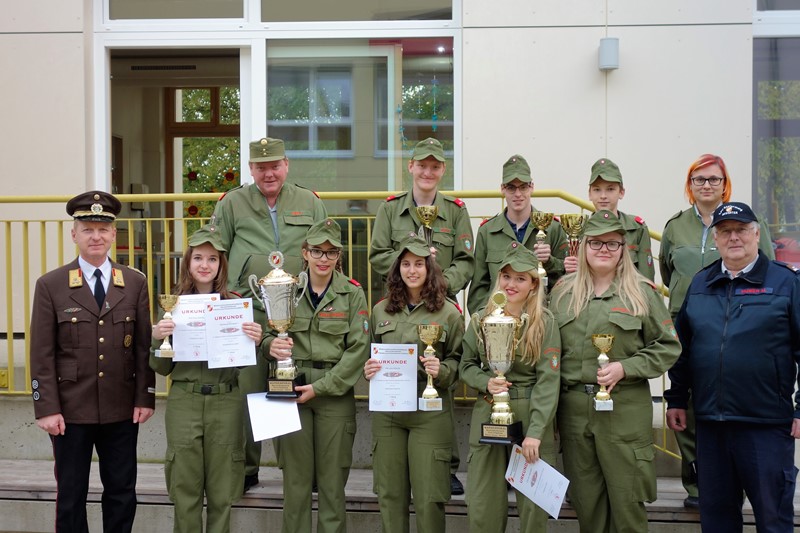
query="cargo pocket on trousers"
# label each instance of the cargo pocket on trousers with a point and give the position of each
(169, 464)
(787, 497)
(237, 474)
(440, 474)
(346, 453)
(644, 483)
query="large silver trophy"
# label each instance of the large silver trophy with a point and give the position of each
(499, 333)
(280, 292)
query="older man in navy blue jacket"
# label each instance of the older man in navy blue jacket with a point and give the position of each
(740, 331)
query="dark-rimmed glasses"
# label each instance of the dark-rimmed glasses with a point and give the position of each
(611, 246)
(700, 181)
(317, 253)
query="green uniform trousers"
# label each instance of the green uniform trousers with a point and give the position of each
(204, 454)
(252, 379)
(321, 450)
(487, 498)
(411, 451)
(609, 458)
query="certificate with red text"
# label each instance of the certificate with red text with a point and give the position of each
(228, 345)
(394, 387)
(539, 482)
(189, 336)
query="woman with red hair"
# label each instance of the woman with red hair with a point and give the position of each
(686, 247)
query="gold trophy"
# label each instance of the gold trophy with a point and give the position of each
(602, 400)
(573, 226)
(427, 214)
(542, 221)
(167, 302)
(430, 334)
(280, 292)
(498, 332)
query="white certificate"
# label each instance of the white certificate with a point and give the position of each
(539, 482)
(394, 387)
(271, 418)
(228, 345)
(189, 337)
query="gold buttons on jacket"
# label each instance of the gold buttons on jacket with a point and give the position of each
(101, 357)
(101, 322)
(74, 320)
(100, 374)
(101, 339)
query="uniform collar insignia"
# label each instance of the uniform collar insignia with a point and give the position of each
(116, 277)
(75, 278)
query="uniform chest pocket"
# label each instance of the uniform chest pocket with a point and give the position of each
(300, 219)
(625, 322)
(399, 235)
(124, 323)
(334, 327)
(443, 236)
(75, 330)
(384, 328)
(495, 256)
(301, 323)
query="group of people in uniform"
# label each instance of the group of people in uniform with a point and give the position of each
(93, 342)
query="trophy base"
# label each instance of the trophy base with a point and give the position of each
(166, 354)
(285, 388)
(430, 404)
(501, 433)
(603, 405)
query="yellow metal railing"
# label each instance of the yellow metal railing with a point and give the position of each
(150, 245)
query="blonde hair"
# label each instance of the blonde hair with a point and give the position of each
(534, 307)
(627, 279)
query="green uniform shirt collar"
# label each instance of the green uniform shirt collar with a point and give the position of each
(409, 205)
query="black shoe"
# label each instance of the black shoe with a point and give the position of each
(456, 488)
(692, 501)
(250, 480)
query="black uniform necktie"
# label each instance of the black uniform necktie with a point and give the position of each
(99, 291)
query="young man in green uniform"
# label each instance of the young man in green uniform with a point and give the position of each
(605, 192)
(514, 225)
(453, 243)
(254, 220)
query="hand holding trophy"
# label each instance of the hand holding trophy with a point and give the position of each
(602, 400)
(430, 334)
(280, 292)
(542, 221)
(499, 333)
(167, 302)
(573, 226)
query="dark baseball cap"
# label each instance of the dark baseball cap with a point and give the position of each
(738, 211)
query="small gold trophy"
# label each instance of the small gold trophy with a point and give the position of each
(280, 292)
(573, 226)
(167, 302)
(602, 400)
(542, 221)
(430, 334)
(498, 332)
(427, 214)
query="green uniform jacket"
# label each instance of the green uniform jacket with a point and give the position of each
(244, 223)
(637, 239)
(543, 377)
(685, 250)
(494, 236)
(401, 328)
(646, 346)
(452, 236)
(335, 334)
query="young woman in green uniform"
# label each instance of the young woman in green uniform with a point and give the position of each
(608, 454)
(204, 418)
(329, 342)
(411, 450)
(533, 382)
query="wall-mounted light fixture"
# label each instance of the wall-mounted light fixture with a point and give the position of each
(608, 54)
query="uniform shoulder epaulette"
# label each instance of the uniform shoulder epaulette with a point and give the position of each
(455, 303)
(458, 201)
(485, 220)
(230, 190)
(137, 270)
(395, 196)
(312, 191)
(354, 282)
(640, 220)
(790, 266)
(235, 294)
(673, 217)
(651, 283)
(557, 218)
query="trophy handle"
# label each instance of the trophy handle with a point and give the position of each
(253, 281)
(475, 323)
(302, 280)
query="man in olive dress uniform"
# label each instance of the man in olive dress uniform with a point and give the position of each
(92, 386)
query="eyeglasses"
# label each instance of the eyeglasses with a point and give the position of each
(316, 253)
(611, 246)
(740, 232)
(524, 188)
(700, 181)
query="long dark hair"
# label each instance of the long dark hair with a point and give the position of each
(186, 284)
(434, 291)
